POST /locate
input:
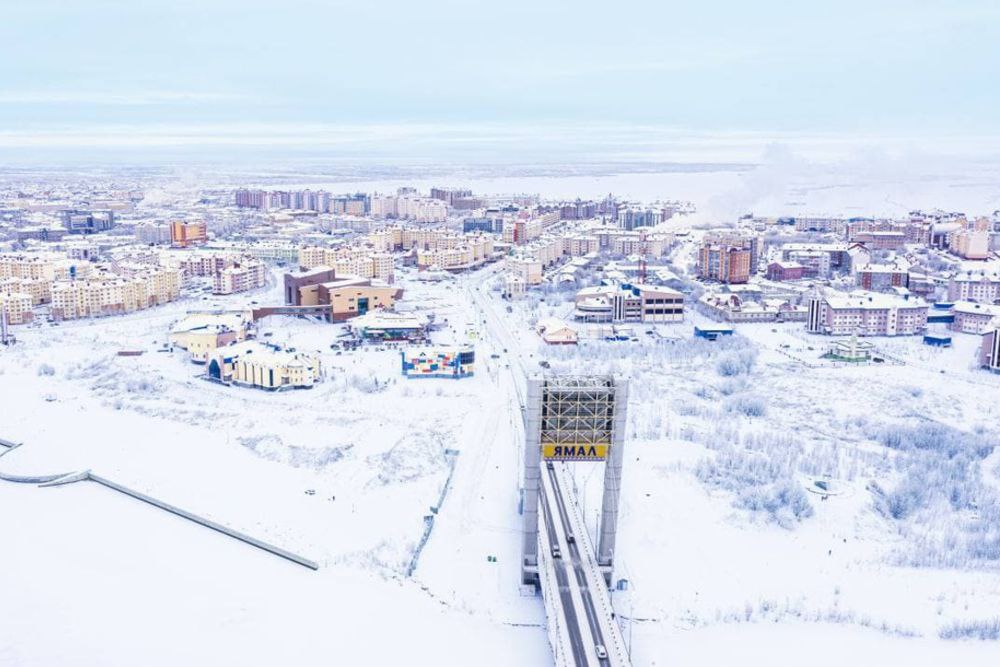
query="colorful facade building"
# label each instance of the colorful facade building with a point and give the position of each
(186, 234)
(451, 362)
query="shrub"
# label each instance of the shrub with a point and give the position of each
(761, 484)
(987, 630)
(737, 362)
(749, 406)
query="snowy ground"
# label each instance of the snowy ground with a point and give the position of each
(721, 544)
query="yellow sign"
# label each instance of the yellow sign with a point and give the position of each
(575, 452)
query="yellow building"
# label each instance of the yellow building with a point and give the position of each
(39, 290)
(200, 334)
(257, 365)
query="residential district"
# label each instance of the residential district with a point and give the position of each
(101, 252)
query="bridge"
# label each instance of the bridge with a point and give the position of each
(558, 556)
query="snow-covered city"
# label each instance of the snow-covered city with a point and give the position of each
(486, 334)
(212, 401)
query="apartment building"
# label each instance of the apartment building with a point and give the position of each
(632, 217)
(37, 289)
(726, 264)
(978, 286)
(820, 259)
(883, 277)
(355, 260)
(109, 294)
(521, 231)
(186, 234)
(866, 314)
(240, 277)
(526, 269)
(971, 243)
(974, 318)
(408, 207)
(42, 266)
(152, 233)
(16, 307)
(733, 238)
(880, 239)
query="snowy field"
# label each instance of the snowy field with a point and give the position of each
(725, 534)
(343, 474)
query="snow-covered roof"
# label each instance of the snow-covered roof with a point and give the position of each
(968, 307)
(872, 301)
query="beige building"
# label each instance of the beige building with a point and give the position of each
(528, 269)
(257, 365)
(109, 294)
(457, 253)
(361, 261)
(39, 290)
(971, 241)
(16, 306)
(556, 332)
(241, 277)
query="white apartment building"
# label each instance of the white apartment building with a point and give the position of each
(975, 318)
(978, 286)
(866, 314)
